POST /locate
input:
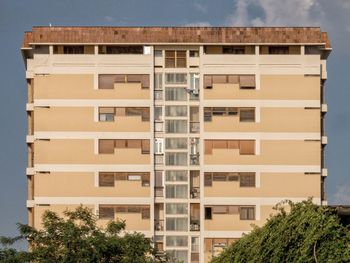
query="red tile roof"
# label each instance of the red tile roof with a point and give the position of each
(154, 35)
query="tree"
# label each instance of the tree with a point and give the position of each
(307, 233)
(76, 238)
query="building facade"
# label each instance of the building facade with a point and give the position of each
(191, 135)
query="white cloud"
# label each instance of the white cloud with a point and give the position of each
(202, 24)
(277, 13)
(342, 194)
(200, 7)
(109, 18)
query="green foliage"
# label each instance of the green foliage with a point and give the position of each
(76, 238)
(308, 233)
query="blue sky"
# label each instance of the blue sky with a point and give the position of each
(17, 16)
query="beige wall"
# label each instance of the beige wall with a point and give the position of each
(134, 221)
(82, 119)
(271, 120)
(64, 86)
(65, 151)
(59, 209)
(271, 185)
(77, 184)
(282, 87)
(231, 222)
(275, 152)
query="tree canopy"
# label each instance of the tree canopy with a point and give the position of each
(307, 233)
(76, 238)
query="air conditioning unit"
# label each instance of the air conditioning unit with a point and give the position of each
(158, 146)
(195, 84)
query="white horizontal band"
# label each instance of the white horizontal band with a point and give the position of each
(262, 103)
(263, 135)
(91, 103)
(92, 200)
(93, 135)
(93, 167)
(258, 201)
(263, 168)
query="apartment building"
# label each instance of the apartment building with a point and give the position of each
(189, 134)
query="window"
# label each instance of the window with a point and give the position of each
(175, 58)
(106, 179)
(106, 114)
(312, 50)
(158, 81)
(246, 147)
(158, 53)
(244, 81)
(208, 213)
(138, 111)
(178, 255)
(247, 81)
(107, 81)
(176, 176)
(176, 143)
(145, 147)
(175, 158)
(175, 78)
(106, 212)
(176, 209)
(248, 50)
(247, 180)
(175, 94)
(233, 49)
(134, 177)
(176, 224)
(176, 191)
(247, 213)
(194, 53)
(111, 49)
(176, 111)
(176, 126)
(278, 50)
(219, 111)
(158, 113)
(208, 181)
(247, 115)
(72, 49)
(106, 146)
(176, 241)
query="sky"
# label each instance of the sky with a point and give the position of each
(17, 16)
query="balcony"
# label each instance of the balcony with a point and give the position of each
(194, 217)
(158, 191)
(159, 224)
(195, 192)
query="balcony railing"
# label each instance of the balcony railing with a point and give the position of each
(194, 127)
(159, 224)
(159, 159)
(195, 192)
(194, 225)
(158, 191)
(194, 159)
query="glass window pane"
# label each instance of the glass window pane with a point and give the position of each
(176, 126)
(176, 176)
(176, 143)
(176, 111)
(175, 94)
(176, 209)
(175, 158)
(176, 191)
